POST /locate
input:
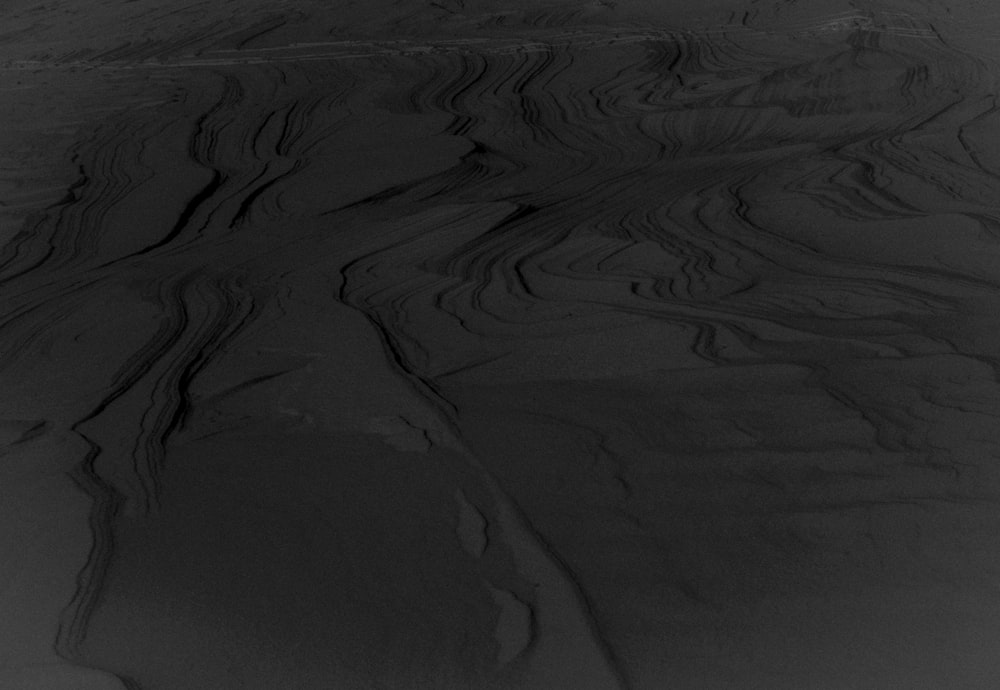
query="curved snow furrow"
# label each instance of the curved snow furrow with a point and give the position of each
(112, 174)
(515, 262)
(129, 429)
(764, 246)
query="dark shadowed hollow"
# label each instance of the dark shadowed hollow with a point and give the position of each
(499, 345)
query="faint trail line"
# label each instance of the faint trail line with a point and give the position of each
(358, 50)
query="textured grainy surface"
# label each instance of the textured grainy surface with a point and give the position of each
(625, 345)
